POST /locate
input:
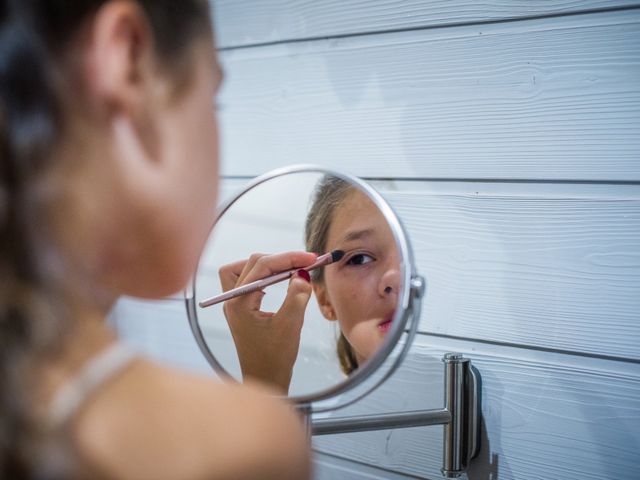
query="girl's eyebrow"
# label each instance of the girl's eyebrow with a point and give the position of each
(356, 235)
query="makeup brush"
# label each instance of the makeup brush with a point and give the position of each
(321, 261)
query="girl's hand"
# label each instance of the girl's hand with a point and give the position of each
(267, 343)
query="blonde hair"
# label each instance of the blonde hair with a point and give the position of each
(330, 192)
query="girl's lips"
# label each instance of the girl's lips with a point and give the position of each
(385, 326)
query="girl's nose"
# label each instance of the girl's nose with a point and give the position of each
(389, 282)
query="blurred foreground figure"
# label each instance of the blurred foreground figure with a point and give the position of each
(108, 145)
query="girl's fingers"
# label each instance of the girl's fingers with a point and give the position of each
(230, 274)
(267, 265)
(248, 266)
(256, 267)
(295, 303)
(251, 302)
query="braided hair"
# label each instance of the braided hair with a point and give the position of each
(34, 318)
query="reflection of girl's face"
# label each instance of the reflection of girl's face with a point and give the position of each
(360, 291)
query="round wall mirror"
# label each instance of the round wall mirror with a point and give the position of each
(359, 297)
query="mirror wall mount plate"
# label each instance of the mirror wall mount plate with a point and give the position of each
(365, 308)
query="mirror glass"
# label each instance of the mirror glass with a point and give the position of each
(352, 311)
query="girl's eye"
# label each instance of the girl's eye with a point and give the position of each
(360, 259)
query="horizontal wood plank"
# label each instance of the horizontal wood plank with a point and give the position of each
(549, 99)
(536, 265)
(248, 22)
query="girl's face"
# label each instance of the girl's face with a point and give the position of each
(138, 209)
(192, 177)
(361, 290)
(178, 212)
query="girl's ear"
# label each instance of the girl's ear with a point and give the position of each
(120, 51)
(122, 73)
(322, 297)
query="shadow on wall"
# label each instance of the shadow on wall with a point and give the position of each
(485, 465)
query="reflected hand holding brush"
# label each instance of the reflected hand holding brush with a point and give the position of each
(322, 260)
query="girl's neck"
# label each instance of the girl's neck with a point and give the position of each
(88, 336)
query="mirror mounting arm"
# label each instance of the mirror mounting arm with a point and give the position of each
(460, 417)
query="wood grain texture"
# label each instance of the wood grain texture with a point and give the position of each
(549, 99)
(246, 22)
(545, 416)
(534, 265)
(329, 467)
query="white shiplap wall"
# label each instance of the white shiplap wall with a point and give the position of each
(508, 136)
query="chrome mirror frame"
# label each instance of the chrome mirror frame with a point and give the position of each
(406, 316)
(460, 414)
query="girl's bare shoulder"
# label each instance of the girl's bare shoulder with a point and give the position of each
(156, 422)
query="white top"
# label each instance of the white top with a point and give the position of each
(95, 373)
(57, 458)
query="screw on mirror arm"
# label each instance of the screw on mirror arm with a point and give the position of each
(418, 286)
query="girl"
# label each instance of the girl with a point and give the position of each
(108, 143)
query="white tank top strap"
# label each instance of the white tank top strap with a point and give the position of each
(93, 375)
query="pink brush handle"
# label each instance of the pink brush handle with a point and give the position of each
(263, 283)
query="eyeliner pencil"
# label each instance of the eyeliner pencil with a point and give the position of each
(321, 261)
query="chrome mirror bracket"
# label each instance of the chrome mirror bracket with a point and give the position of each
(460, 417)
(461, 400)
